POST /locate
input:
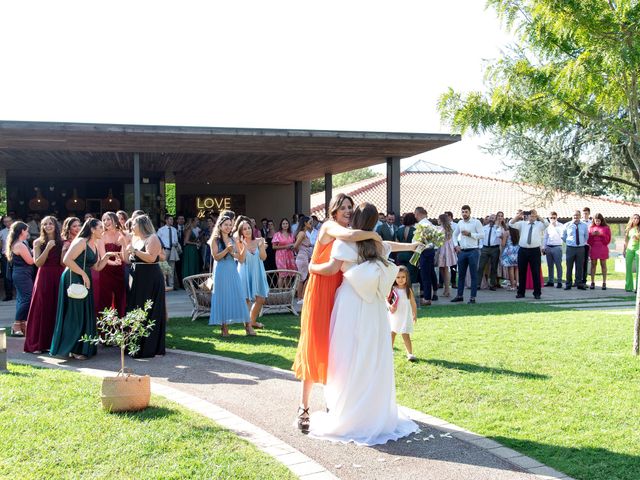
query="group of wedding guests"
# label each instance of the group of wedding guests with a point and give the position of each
(240, 260)
(187, 242)
(492, 252)
(116, 258)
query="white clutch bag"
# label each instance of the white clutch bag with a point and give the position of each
(77, 291)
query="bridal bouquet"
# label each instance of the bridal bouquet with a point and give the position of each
(428, 236)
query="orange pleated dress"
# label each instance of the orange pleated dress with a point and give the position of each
(313, 347)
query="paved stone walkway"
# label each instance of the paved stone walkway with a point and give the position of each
(266, 397)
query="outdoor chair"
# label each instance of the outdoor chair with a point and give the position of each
(281, 299)
(199, 290)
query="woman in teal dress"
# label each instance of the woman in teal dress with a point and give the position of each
(76, 317)
(405, 235)
(190, 255)
(252, 272)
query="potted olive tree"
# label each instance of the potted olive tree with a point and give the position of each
(126, 391)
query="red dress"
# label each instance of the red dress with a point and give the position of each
(111, 287)
(599, 243)
(44, 303)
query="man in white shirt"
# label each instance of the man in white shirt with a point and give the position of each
(466, 239)
(490, 251)
(531, 228)
(313, 234)
(552, 248)
(168, 236)
(4, 264)
(428, 279)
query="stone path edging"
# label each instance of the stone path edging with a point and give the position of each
(302, 466)
(529, 464)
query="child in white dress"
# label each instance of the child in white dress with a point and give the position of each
(403, 311)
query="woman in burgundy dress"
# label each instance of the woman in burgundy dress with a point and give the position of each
(47, 251)
(599, 239)
(111, 291)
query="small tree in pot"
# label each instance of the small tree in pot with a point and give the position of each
(125, 391)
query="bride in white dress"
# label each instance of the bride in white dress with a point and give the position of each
(360, 392)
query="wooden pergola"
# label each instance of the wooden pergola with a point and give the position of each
(233, 155)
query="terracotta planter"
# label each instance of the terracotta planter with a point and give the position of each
(126, 393)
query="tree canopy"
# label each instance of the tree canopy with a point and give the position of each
(344, 178)
(563, 101)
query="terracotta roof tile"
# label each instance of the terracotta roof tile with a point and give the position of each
(438, 192)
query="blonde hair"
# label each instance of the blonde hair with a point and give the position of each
(145, 225)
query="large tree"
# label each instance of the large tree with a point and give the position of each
(564, 101)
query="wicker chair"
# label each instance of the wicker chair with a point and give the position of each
(199, 290)
(281, 299)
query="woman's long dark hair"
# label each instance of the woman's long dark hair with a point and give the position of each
(114, 219)
(56, 233)
(85, 231)
(365, 217)
(302, 219)
(336, 203)
(288, 230)
(66, 227)
(15, 230)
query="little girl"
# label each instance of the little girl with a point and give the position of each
(402, 311)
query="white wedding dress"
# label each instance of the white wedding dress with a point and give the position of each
(360, 392)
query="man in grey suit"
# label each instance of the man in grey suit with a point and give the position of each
(388, 229)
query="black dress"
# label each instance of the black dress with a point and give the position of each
(148, 284)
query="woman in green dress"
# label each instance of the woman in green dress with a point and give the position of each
(76, 317)
(630, 252)
(190, 252)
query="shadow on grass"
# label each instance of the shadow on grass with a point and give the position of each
(589, 463)
(473, 368)
(489, 309)
(149, 413)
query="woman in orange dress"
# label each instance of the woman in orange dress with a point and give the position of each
(310, 364)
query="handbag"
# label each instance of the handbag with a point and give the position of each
(77, 290)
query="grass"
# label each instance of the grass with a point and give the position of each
(52, 426)
(611, 271)
(555, 384)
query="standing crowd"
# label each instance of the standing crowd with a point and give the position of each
(70, 273)
(495, 253)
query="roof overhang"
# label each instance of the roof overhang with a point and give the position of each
(220, 155)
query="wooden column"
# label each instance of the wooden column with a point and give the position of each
(328, 192)
(136, 181)
(393, 186)
(297, 187)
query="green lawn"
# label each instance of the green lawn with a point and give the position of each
(611, 271)
(52, 426)
(558, 385)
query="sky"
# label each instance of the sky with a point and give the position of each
(335, 65)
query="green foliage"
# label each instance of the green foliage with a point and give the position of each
(341, 179)
(60, 432)
(563, 102)
(170, 198)
(123, 332)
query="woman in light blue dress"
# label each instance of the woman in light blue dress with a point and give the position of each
(228, 303)
(252, 272)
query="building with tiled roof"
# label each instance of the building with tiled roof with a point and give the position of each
(439, 189)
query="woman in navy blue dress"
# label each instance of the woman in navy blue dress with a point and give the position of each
(21, 261)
